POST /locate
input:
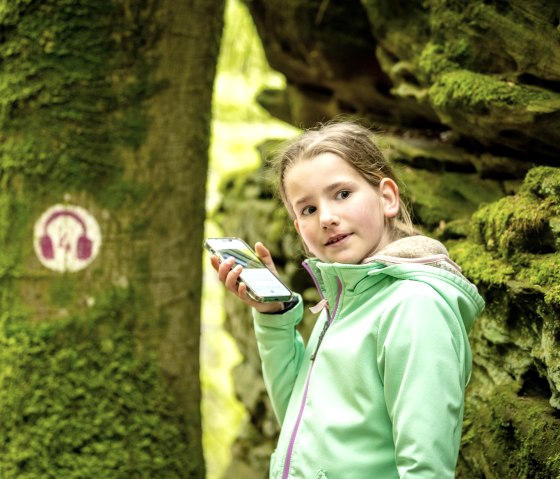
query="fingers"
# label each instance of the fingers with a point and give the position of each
(242, 293)
(224, 268)
(264, 254)
(229, 273)
(215, 262)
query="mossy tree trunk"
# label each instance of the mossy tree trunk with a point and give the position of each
(104, 105)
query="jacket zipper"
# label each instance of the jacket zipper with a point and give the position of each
(330, 317)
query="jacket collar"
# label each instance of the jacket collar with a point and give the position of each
(331, 279)
(328, 275)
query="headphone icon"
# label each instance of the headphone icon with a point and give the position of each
(84, 246)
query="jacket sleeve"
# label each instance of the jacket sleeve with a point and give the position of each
(281, 349)
(422, 355)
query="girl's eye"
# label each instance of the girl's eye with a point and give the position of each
(308, 210)
(342, 195)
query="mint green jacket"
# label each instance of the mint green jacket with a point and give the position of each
(378, 392)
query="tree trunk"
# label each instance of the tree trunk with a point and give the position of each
(105, 110)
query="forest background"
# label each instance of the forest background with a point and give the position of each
(239, 126)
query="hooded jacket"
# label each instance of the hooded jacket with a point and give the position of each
(378, 392)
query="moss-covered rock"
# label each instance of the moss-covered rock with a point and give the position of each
(468, 96)
(437, 198)
(506, 251)
(513, 402)
(512, 437)
(521, 228)
(488, 70)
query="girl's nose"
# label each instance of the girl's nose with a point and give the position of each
(328, 218)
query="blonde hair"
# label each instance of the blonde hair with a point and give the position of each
(354, 144)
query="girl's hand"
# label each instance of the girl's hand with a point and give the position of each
(229, 275)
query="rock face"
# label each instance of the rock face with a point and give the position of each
(485, 72)
(467, 95)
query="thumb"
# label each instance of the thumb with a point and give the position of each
(264, 254)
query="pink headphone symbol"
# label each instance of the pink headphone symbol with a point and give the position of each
(84, 245)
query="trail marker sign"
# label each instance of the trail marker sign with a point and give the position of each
(66, 238)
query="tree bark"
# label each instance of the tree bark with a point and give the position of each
(106, 106)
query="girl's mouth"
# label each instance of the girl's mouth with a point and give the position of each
(336, 239)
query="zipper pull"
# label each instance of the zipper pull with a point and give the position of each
(321, 336)
(319, 306)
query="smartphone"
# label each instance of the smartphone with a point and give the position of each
(262, 284)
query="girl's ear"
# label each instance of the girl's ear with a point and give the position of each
(390, 198)
(296, 224)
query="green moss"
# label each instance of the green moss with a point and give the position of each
(479, 265)
(62, 290)
(68, 93)
(476, 92)
(73, 83)
(122, 193)
(80, 397)
(78, 404)
(437, 197)
(72, 86)
(552, 295)
(514, 222)
(518, 433)
(542, 271)
(523, 222)
(143, 265)
(515, 237)
(437, 59)
(454, 229)
(544, 182)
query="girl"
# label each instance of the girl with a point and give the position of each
(378, 392)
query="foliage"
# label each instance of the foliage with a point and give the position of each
(238, 125)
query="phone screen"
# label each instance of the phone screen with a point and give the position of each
(261, 282)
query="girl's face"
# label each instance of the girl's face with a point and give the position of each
(339, 215)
